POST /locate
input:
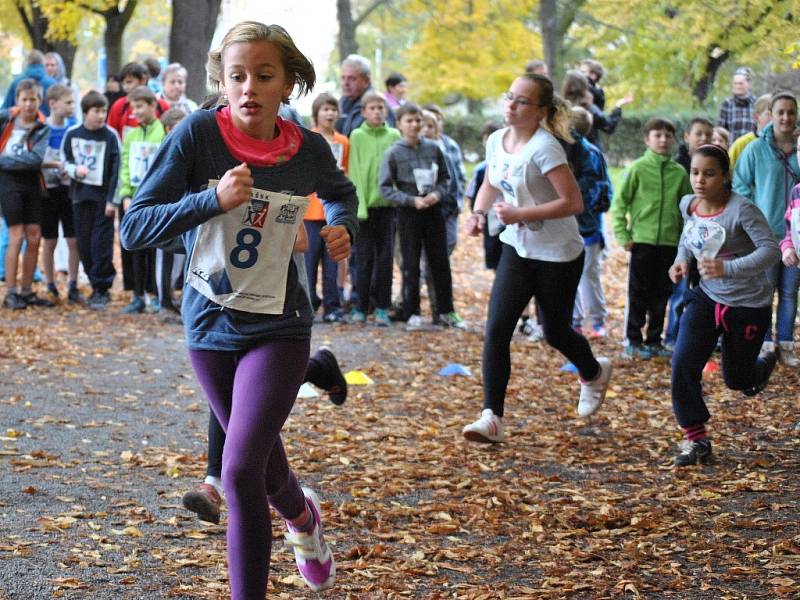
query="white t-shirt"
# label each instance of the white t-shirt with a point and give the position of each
(522, 179)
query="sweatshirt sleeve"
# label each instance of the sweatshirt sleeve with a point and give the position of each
(386, 181)
(744, 175)
(442, 187)
(684, 255)
(31, 158)
(794, 203)
(113, 167)
(766, 251)
(621, 206)
(162, 208)
(125, 189)
(337, 192)
(66, 154)
(606, 123)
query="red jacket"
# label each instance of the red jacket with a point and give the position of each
(120, 117)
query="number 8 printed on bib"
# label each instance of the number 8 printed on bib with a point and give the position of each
(241, 258)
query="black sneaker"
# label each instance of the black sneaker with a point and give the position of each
(74, 296)
(693, 453)
(770, 359)
(332, 380)
(33, 300)
(52, 290)
(14, 301)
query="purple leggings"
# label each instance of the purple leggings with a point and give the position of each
(252, 392)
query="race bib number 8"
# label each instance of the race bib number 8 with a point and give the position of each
(241, 258)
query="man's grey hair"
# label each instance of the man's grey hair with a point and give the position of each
(360, 63)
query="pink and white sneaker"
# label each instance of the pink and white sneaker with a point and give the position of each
(488, 429)
(312, 555)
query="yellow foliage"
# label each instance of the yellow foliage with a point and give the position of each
(474, 48)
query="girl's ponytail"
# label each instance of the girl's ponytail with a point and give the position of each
(559, 115)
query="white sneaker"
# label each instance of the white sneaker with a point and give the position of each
(766, 348)
(787, 356)
(312, 555)
(414, 323)
(594, 392)
(536, 334)
(488, 429)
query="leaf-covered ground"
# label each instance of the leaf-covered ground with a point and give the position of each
(102, 429)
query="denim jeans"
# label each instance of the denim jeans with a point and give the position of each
(786, 281)
(676, 305)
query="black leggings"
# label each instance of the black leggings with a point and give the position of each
(553, 284)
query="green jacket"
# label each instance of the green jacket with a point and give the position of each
(367, 147)
(143, 141)
(645, 208)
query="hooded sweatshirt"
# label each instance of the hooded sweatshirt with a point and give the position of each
(645, 207)
(766, 175)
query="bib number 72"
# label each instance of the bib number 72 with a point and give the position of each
(245, 254)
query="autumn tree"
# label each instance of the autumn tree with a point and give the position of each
(349, 23)
(470, 48)
(36, 26)
(193, 25)
(555, 20)
(674, 53)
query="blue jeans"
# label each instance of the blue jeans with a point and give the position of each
(37, 276)
(787, 282)
(676, 305)
(316, 253)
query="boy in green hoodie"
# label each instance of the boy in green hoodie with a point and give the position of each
(138, 150)
(375, 244)
(647, 223)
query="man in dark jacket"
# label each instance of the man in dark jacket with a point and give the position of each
(356, 76)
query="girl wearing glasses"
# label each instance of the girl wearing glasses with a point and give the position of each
(542, 254)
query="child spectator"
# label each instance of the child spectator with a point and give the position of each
(733, 299)
(396, 89)
(153, 66)
(698, 132)
(169, 259)
(414, 178)
(91, 156)
(765, 173)
(368, 145)
(113, 90)
(138, 149)
(762, 117)
(324, 112)
(174, 90)
(23, 143)
(647, 223)
(492, 246)
(594, 71)
(120, 115)
(58, 208)
(596, 190)
(578, 91)
(721, 138)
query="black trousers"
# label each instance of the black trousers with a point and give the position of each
(649, 289)
(374, 258)
(553, 284)
(418, 229)
(94, 234)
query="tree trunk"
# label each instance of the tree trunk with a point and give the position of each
(347, 29)
(193, 25)
(552, 39)
(715, 58)
(36, 25)
(116, 22)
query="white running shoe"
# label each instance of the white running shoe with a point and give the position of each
(787, 355)
(488, 429)
(312, 555)
(536, 334)
(594, 392)
(414, 323)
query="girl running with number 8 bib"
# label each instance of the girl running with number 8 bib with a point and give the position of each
(232, 182)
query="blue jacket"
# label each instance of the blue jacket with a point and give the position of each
(765, 175)
(38, 73)
(173, 199)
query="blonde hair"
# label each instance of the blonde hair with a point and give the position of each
(296, 65)
(559, 114)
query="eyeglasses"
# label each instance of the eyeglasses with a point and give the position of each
(521, 100)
